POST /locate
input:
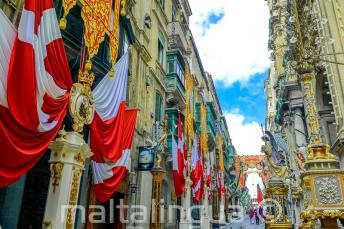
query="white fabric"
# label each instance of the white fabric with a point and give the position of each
(174, 154)
(196, 188)
(208, 166)
(103, 171)
(107, 103)
(195, 154)
(48, 32)
(7, 37)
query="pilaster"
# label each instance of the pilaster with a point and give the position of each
(185, 219)
(68, 155)
(205, 223)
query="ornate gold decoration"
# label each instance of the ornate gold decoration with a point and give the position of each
(113, 33)
(220, 151)
(96, 16)
(81, 105)
(156, 196)
(47, 225)
(56, 170)
(67, 5)
(73, 198)
(189, 119)
(312, 114)
(321, 151)
(204, 129)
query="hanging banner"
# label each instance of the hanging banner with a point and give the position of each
(146, 158)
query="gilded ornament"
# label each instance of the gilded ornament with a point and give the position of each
(96, 16)
(189, 119)
(73, 198)
(67, 5)
(328, 190)
(56, 170)
(204, 130)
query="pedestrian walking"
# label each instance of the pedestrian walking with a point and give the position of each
(256, 216)
(251, 214)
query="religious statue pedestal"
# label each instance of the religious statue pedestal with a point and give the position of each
(158, 174)
(276, 194)
(68, 154)
(185, 219)
(323, 188)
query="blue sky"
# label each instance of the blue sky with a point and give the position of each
(232, 37)
(246, 98)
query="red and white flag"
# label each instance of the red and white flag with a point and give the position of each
(196, 163)
(208, 173)
(107, 127)
(178, 161)
(107, 175)
(111, 131)
(220, 185)
(34, 85)
(197, 175)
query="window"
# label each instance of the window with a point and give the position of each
(174, 14)
(123, 42)
(158, 107)
(161, 42)
(162, 4)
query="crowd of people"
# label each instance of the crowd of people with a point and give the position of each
(255, 214)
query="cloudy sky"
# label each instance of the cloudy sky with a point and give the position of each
(231, 36)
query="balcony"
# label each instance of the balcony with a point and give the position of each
(211, 119)
(175, 78)
(177, 33)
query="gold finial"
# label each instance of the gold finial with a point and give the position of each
(123, 12)
(63, 23)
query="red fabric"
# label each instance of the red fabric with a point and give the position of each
(105, 190)
(219, 185)
(259, 195)
(179, 176)
(38, 6)
(200, 192)
(22, 144)
(106, 136)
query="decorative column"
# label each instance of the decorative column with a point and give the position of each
(323, 180)
(68, 154)
(206, 211)
(299, 127)
(222, 215)
(277, 192)
(158, 174)
(185, 219)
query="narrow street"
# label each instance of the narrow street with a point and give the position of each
(245, 224)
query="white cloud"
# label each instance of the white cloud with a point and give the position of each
(246, 137)
(235, 48)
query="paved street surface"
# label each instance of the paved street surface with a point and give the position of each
(244, 224)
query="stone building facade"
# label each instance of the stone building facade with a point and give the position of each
(157, 36)
(312, 32)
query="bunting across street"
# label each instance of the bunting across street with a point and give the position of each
(34, 87)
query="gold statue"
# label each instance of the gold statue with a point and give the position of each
(277, 169)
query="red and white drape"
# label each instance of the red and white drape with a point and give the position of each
(178, 161)
(197, 175)
(34, 85)
(111, 132)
